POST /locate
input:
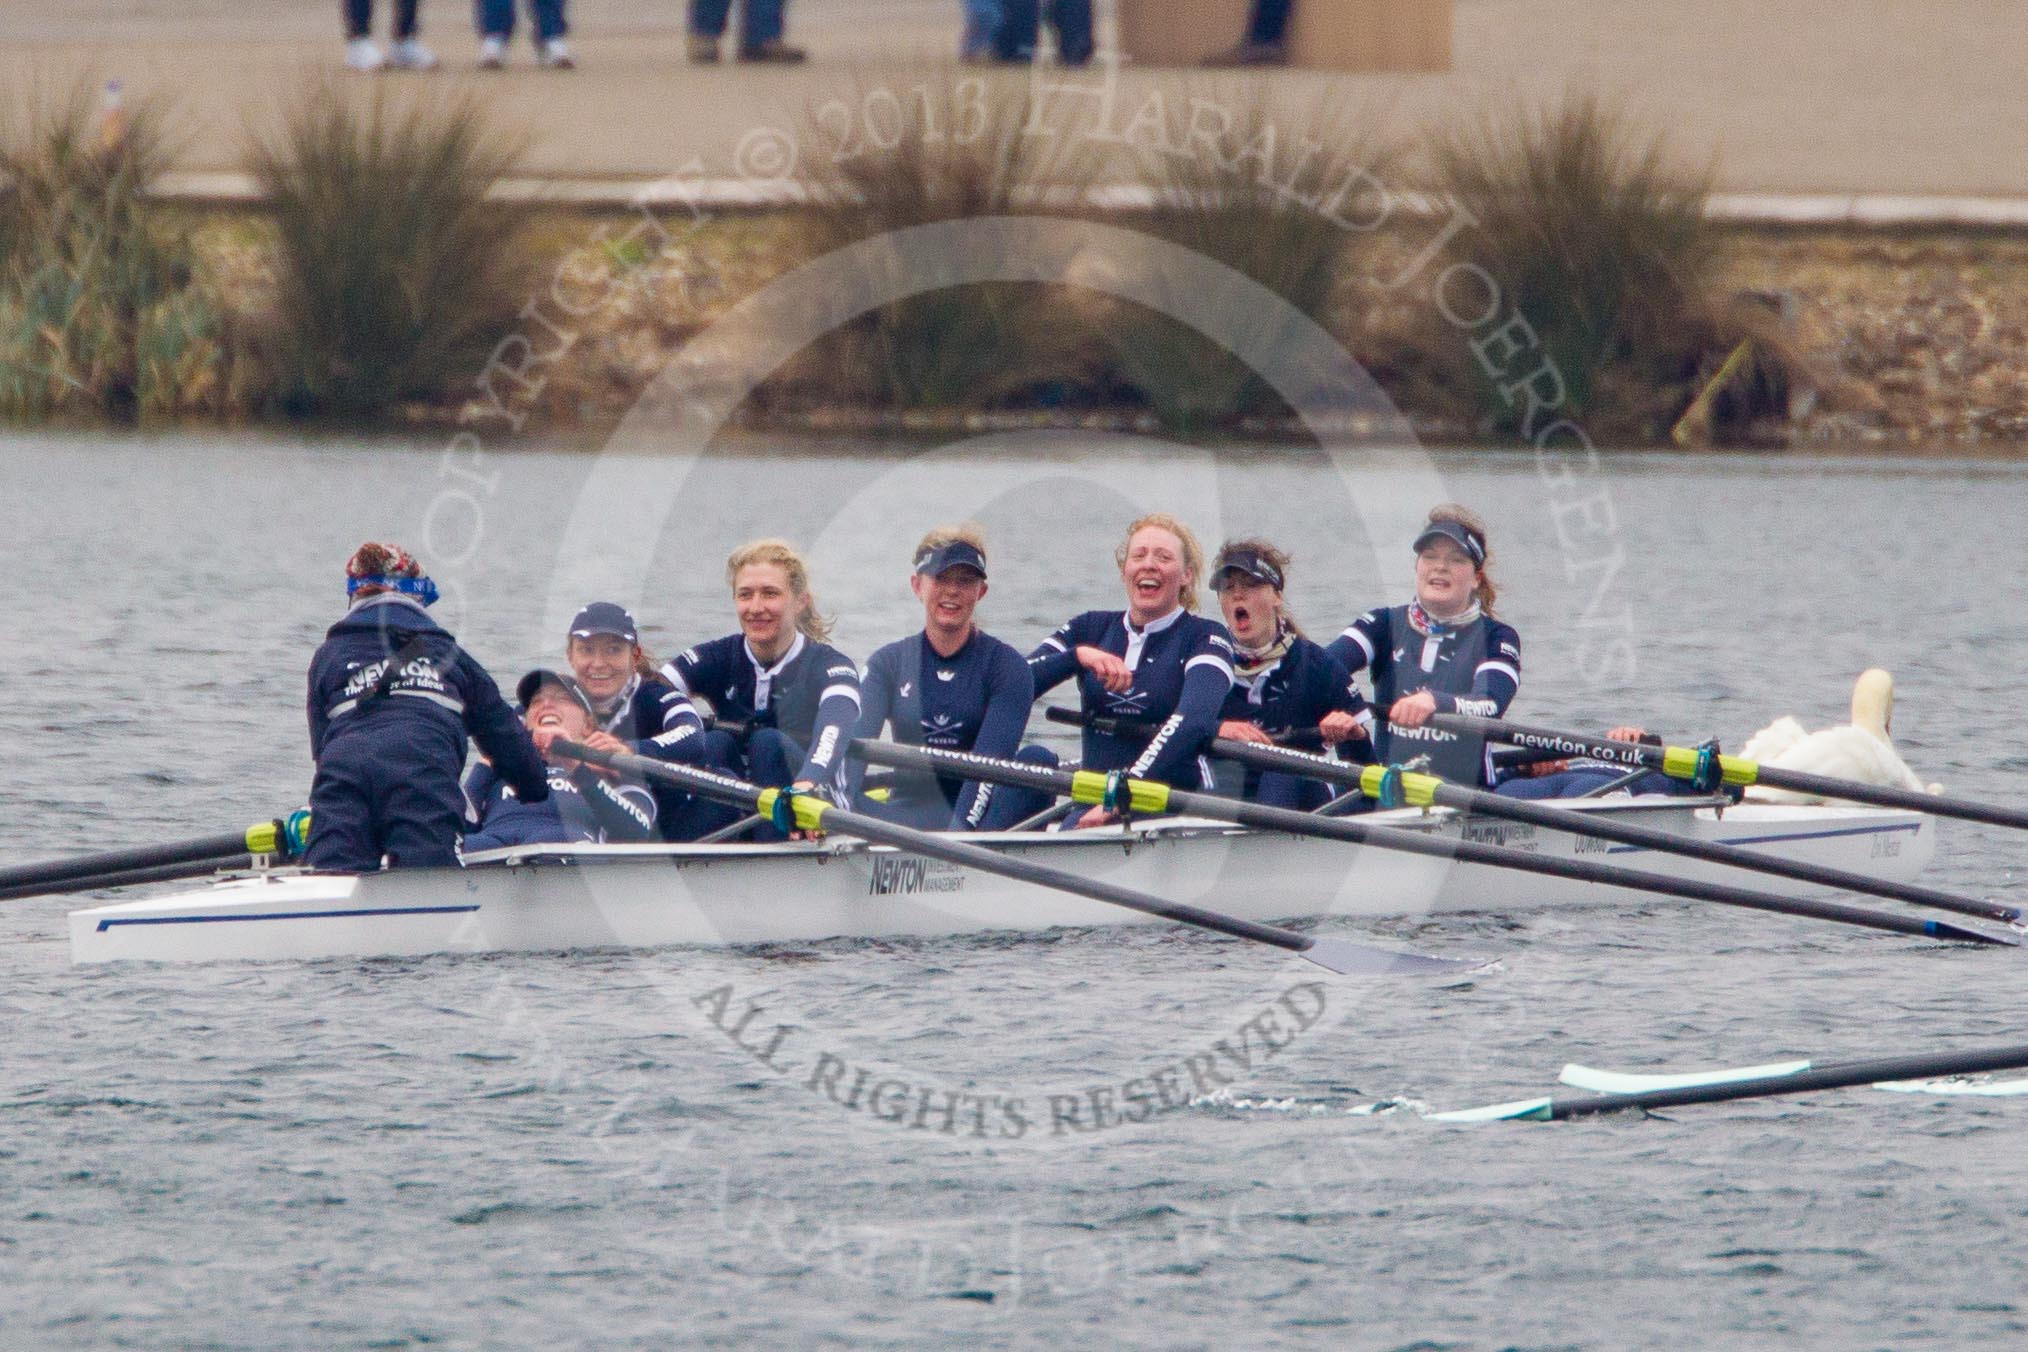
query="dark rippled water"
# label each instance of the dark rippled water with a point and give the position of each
(563, 1149)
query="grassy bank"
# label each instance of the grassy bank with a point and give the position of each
(381, 286)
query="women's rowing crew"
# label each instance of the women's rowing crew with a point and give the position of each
(393, 698)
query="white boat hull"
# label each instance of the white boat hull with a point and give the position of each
(556, 897)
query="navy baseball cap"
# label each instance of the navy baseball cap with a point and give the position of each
(1465, 539)
(532, 683)
(956, 554)
(1246, 562)
(603, 617)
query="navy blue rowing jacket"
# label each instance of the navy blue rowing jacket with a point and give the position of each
(1472, 669)
(977, 699)
(438, 696)
(812, 694)
(1182, 669)
(581, 806)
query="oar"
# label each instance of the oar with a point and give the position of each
(1682, 762)
(1145, 796)
(133, 877)
(1418, 790)
(1839, 1076)
(808, 812)
(260, 838)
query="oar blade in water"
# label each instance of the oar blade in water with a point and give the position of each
(1349, 959)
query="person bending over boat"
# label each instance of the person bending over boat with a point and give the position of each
(1283, 682)
(786, 700)
(584, 803)
(1156, 663)
(631, 701)
(1443, 652)
(392, 698)
(955, 687)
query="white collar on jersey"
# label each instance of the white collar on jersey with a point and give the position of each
(1138, 638)
(615, 707)
(764, 676)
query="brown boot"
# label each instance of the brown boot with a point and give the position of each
(703, 50)
(773, 52)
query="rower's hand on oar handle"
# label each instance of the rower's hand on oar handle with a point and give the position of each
(597, 741)
(1239, 730)
(1339, 726)
(1096, 816)
(805, 786)
(1109, 668)
(1412, 711)
(1627, 733)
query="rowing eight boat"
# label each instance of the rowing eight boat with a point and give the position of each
(556, 897)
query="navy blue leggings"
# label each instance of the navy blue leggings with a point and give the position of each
(359, 19)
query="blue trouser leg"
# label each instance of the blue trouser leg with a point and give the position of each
(548, 19)
(772, 761)
(1010, 804)
(760, 21)
(1275, 789)
(1019, 21)
(1270, 21)
(928, 813)
(495, 18)
(683, 816)
(342, 837)
(982, 25)
(1072, 21)
(1562, 784)
(707, 17)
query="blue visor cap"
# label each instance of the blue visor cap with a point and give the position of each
(1246, 563)
(603, 617)
(1463, 538)
(956, 554)
(532, 684)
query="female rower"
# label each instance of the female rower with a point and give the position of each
(631, 701)
(786, 700)
(955, 687)
(1443, 652)
(1156, 664)
(1282, 682)
(585, 803)
(392, 698)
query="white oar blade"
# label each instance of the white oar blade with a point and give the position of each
(1616, 1082)
(1349, 959)
(1520, 1110)
(1977, 1088)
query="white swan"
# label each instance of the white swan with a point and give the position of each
(1857, 750)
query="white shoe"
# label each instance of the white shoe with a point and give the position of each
(556, 56)
(361, 55)
(410, 54)
(493, 54)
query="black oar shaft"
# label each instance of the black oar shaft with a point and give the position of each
(1839, 1076)
(162, 873)
(966, 766)
(1737, 770)
(1598, 825)
(116, 861)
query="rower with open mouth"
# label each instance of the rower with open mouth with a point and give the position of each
(1443, 652)
(955, 687)
(786, 700)
(1284, 683)
(585, 802)
(1157, 663)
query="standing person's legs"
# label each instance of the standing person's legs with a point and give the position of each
(404, 19)
(707, 17)
(982, 25)
(495, 18)
(549, 20)
(1071, 20)
(358, 19)
(1015, 39)
(1270, 22)
(761, 22)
